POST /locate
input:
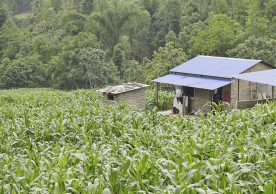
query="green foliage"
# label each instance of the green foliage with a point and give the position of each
(163, 60)
(171, 37)
(165, 99)
(256, 48)
(3, 16)
(73, 23)
(96, 70)
(118, 58)
(88, 6)
(57, 5)
(222, 34)
(55, 31)
(70, 142)
(219, 6)
(133, 71)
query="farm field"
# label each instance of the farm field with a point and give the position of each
(70, 142)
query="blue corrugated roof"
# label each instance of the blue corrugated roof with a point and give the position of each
(215, 66)
(193, 81)
(264, 77)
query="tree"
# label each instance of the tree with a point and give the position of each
(222, 34)
(75, 68)
(257, 26)
(171, 37)
(37, 6)
(57, 5)
(6, 63)
(96, 70)
(132, 71)
(219, 6)
(24, 72)
(87, 7)
(73, 22)
(239, 10)
(167, 18)
(118, 58)
(256, 23)
(10, 40)
(256, 48)
(3, 16)
(187, 33)
(151, 6)
(118, 19)
(163, 60)
(270, 9)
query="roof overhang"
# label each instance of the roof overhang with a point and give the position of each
(267, 77)
(125, 87)
(193, 81)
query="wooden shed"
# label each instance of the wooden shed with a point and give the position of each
(132, 94)
(205, 79)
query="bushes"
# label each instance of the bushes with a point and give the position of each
(165, 99)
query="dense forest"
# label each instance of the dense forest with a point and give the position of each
(69, 44)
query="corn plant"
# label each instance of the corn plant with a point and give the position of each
(71, 142)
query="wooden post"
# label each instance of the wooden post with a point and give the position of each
(183, 105)
(251, 95)
(238, 90)
(272, 92)
(157, 95)
(257, 91)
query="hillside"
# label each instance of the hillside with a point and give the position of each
(71, 44)
(57, 142)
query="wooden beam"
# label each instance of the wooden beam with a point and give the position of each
(272, 92)
(157, 95)
(183, 105)
(238, 90)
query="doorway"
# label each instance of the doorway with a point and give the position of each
(217, 96)
(189, 92)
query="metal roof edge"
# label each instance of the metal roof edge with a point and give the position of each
(195, 85)
(189, 74)
(114, 93)
(232, 58)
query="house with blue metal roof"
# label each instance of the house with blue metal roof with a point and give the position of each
(205, 79)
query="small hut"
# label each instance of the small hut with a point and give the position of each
(132, 94)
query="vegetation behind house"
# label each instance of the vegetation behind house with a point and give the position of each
(69, 44)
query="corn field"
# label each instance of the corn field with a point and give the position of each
(70, 142)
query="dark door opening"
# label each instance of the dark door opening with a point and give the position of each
(110, 97)
(189, 92)
(217, 96)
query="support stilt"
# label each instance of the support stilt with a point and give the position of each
(157, 95)
(238, 90)
(272, 92)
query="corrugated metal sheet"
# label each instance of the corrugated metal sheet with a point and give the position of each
(215, 66)
(126, 87)
(193, 81)
(264, 77)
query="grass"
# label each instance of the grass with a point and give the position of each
(70, 142)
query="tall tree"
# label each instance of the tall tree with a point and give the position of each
(256, 48)
(167, 18)
(3, 16)
(118, 58)
(57, 5)
(222, 34)
(96, 70)
(88, 6)
(163, 60)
